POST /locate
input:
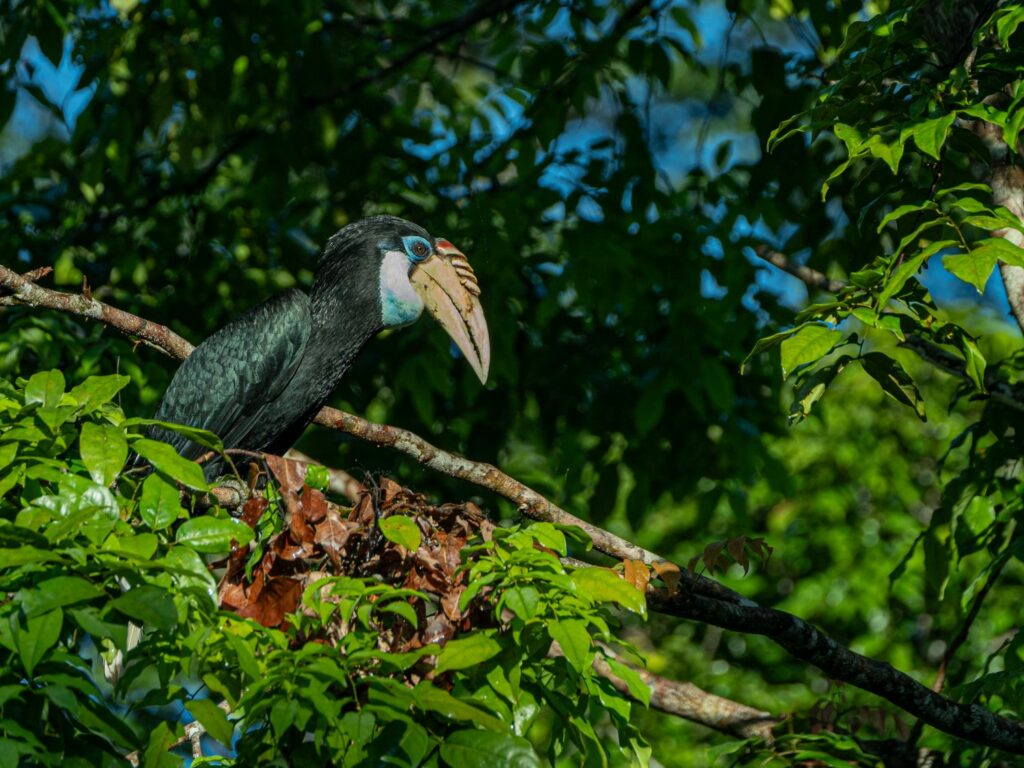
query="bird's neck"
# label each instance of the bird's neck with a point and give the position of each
(346, 314)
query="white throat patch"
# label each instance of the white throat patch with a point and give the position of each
(400, 304)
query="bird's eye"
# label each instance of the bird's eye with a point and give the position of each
(417, 247)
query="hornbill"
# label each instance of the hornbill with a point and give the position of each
(258, 381)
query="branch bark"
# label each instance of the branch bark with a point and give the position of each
(697, 598)
(811, 277)
(691, 703)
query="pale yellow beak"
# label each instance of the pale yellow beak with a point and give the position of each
(450, 292)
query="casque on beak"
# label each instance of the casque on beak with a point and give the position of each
(450, 292)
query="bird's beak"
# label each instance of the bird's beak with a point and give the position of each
(450, 292)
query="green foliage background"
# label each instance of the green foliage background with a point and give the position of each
(604, 166)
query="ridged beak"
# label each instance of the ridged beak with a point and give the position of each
(450, 292)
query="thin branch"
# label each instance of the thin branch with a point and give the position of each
(194, 733)
(691, 703)
(965, 628)
(811, 277)
(24, 291)
(698, 598)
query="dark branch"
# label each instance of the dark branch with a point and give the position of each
(966, 721)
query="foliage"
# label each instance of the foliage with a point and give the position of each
(88, 549)
(614, 171)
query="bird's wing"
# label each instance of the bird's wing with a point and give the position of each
(229, 378)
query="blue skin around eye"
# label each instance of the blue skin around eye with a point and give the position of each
(410, 240)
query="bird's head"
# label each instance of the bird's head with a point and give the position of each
(416, 270)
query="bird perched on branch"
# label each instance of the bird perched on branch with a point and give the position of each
(258, 381)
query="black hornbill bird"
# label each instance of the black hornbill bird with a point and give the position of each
(259, 381)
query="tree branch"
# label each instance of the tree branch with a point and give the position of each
(966, 721)
(811, 277)
(698, 598)
(24, 291)
(691, 703)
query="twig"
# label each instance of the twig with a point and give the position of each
(811, 277)
(699, 598)
(24, 291)
(686, 700)
(194, 733)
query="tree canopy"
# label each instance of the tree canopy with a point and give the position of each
(749, 359)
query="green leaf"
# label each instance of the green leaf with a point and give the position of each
(888, 152)
(150, 605)
(811, 387)
(213, 718)
(522, 601)
(401, 530)
(165, 459)
(1010, 18)
(575, 641)
(635, 684)
(768, 342)
(45, 388)
(811, 343)
(836, 173)
(468, 651)
(908, 268)
(57, 593)
(97, 390)
(432, 699)
(104, 451)
(160, 504)
(203, 437)
(8, 451)
(974, 267)
(157, 754)
(401, 608)
(903, 210)
(975, 362)
(36, 636)
(318, 477)
(212, 535)
(1001, 249)
(604, 585)
(547, 535)
(930, 135)
(895, 381)
(487, 749)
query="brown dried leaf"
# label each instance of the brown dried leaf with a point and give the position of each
(450, 603)
(313, 504)
(439, 630)
(290, 475)
(279, 596)
(711, 555)
(668, 573)
(332, 535)
(363, 511)
(253, 509)
(738, 551)
(388, 490)
(637, 574)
